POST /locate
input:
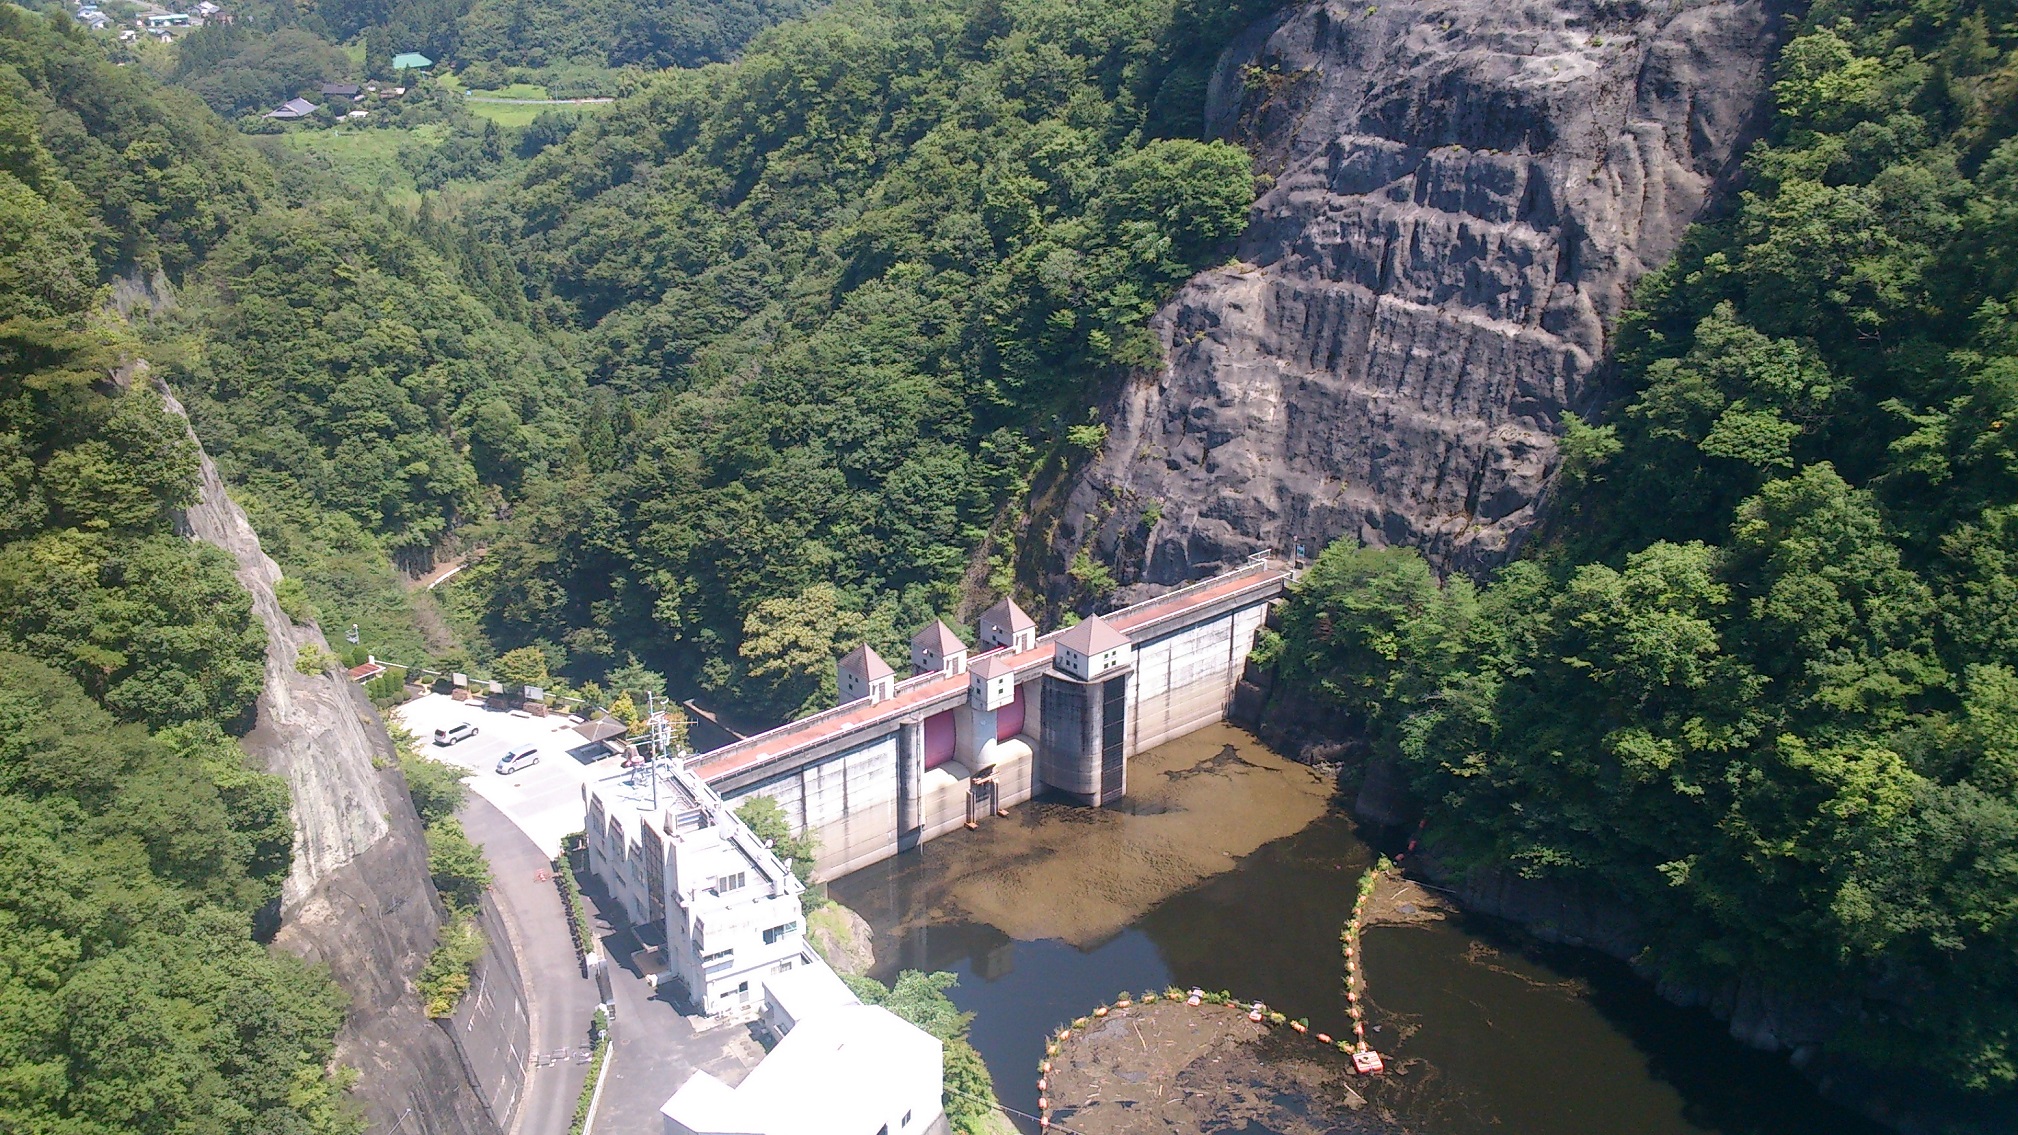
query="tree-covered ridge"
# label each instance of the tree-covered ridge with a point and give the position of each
(132, 995)
(276, 47)
(1761, 681)
(343, 361)
(152, 182)
(653, 33)
(837, 299)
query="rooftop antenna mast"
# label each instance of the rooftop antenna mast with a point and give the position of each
(658, 742)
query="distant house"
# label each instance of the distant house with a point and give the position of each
(340, 90)
(160, 20)
(293, 108)
(411, 61)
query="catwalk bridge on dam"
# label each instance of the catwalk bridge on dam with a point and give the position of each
(972, 732)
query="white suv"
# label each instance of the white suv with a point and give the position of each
(454, 734)
(516, 761)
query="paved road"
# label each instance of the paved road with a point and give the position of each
(538, 102)
(559, 1000)
(656, 1047)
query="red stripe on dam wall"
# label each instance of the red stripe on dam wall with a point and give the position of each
(939, 739)
(1009, 719)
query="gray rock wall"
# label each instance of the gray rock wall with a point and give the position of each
(1464, 195)
(358, 898)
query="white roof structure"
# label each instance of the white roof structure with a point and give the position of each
(865, 661)
(938, 637)
(992, 666)
(838, 1073)
(807, 990)
(1092, 636)
(1006, 617)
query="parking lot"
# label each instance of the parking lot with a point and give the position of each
(545, 801)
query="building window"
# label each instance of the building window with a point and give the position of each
(772, 935)
(729, 883)
(907, 1119)
(720, 956)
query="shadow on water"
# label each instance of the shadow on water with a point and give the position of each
(1494, 1031)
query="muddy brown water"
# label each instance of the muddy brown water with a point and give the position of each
(1230, 867)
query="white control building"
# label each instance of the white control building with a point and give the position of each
(673, 854)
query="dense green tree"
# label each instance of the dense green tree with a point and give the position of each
(153, 182)
(839, 299)
(790, 644)
(346, 362)
(238, 70)
(133, 998)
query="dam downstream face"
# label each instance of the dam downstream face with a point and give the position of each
(1229, 867)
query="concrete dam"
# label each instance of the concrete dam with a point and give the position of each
(973, 731)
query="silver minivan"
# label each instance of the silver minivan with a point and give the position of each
(517, 761)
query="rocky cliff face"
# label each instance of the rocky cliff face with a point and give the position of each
(358, 897)
(1465, 193)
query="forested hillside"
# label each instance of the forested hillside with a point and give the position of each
(1758, 681)
(836, 302)
(273, 50)
(750, 364)
(766, 359)
(135, 843)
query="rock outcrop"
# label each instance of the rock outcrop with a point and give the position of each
(358, 897)
(1465, 194)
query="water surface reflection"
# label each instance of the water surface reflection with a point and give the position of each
(1232, 872)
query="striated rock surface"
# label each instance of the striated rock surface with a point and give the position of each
(1464, 196)
(358, 897)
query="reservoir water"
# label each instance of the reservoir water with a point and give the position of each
(1231, 867)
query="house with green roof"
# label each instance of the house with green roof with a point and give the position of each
(411, 60)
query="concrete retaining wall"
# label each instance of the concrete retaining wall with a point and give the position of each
(491, 1028)
(1185, 681)
(848, 802)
